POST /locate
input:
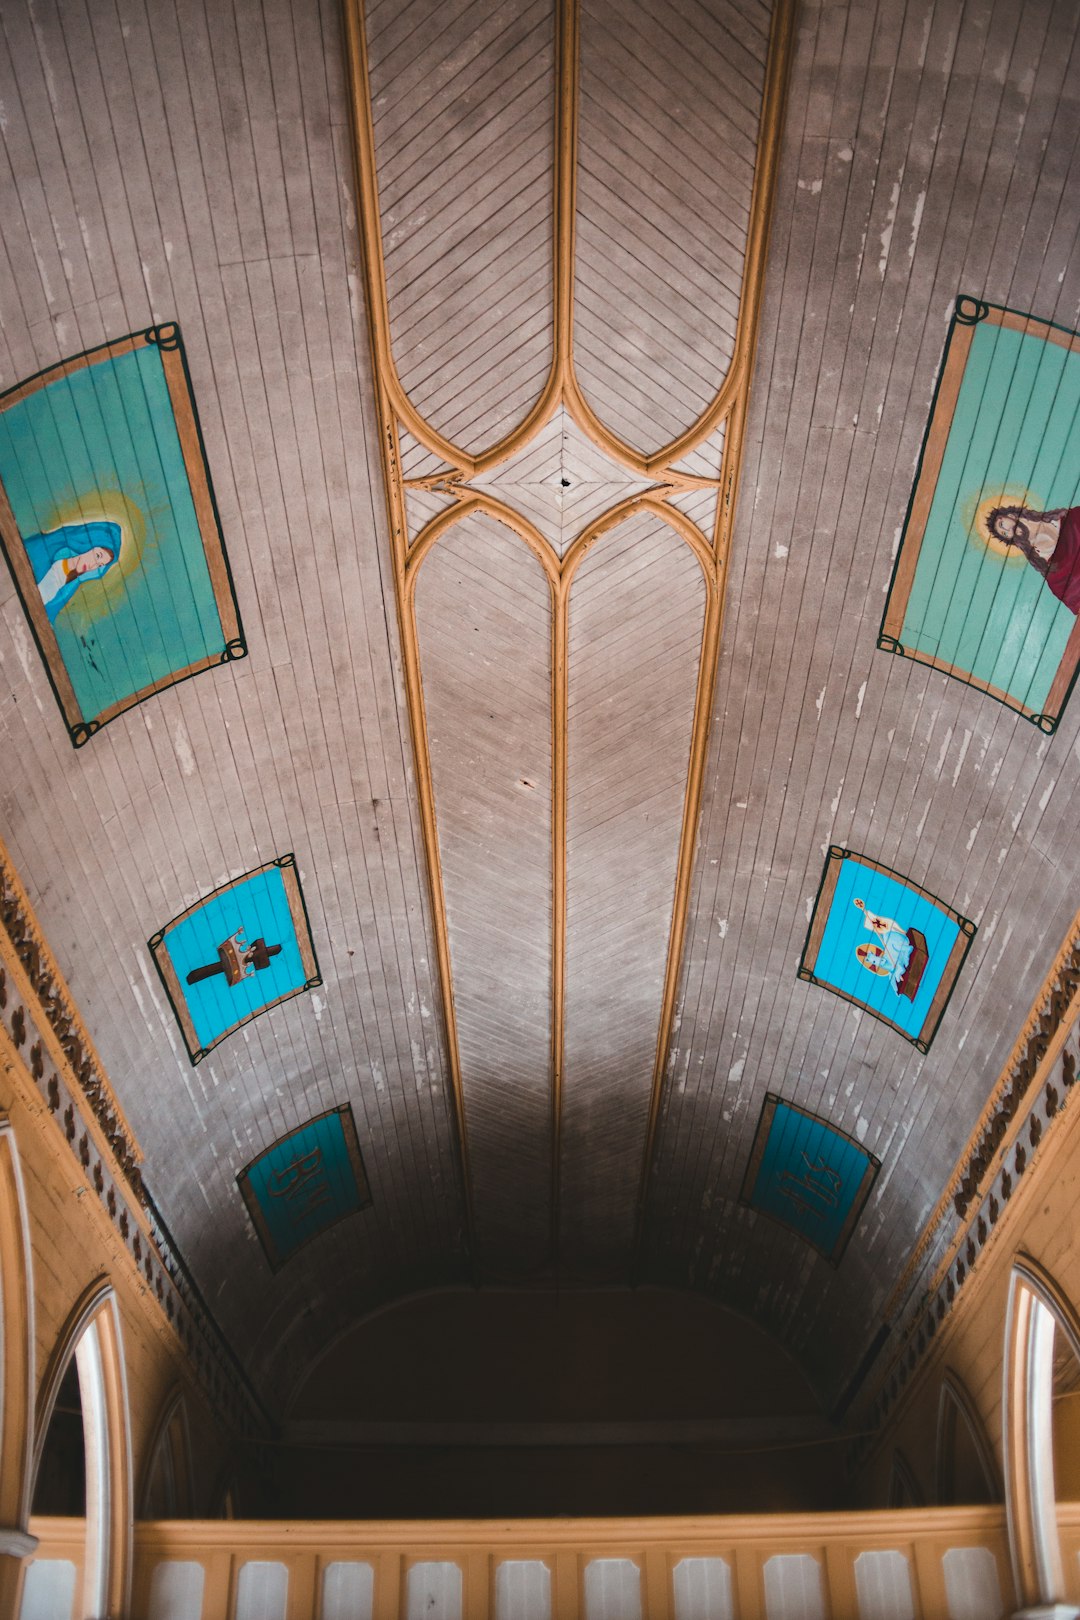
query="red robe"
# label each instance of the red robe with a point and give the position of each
(1063, 575)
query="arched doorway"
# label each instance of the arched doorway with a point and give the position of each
(1042, 1340)
(82, 1419)
(967, 1474)
(167, 1490)
(16, 1362)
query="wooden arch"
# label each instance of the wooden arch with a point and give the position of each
(1037, 1309)
(92, 1334)
(16, 1363)
(169, 1448)
(956, 1408)
(401, 420)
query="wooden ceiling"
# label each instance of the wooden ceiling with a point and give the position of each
(559, 828)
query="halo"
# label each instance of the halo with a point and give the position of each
(97, 596)
(975, 514)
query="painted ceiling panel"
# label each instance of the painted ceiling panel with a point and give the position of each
(483, 614)
(637, 617)
(670, 101)
(463, 105)
(193, 164)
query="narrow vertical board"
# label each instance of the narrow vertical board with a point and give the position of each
(463, 108)
(483, 619)
(637, 606)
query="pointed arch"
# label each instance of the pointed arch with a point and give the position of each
(92, 1337)
(16, 1366)
(16, 1338)
(904, 1489)
(166, 1479)
(958, 1421)
(1038, 1309)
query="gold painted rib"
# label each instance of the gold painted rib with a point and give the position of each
(395, 410)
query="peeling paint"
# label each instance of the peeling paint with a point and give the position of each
(184, 752)
(890, 221)
(944, 752)
(916, 222)
(963, 754)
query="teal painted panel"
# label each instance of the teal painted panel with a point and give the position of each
(110, 527)
(1002, 434)
(307, 1182)
(808, 1175)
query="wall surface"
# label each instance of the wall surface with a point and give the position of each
(1039, 1222)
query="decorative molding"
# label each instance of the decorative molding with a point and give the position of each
(1031, 1095)
(1037, 1048)
(50, 1051)
(17, 1543)
(58, 1006)
(397, 414)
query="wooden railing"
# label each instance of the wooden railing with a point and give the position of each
(918, 1564)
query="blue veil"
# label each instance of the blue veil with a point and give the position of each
(71, 540)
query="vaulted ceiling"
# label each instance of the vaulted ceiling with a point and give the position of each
(561, 596)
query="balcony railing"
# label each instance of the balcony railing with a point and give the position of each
(914, 1564)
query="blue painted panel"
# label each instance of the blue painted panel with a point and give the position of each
(809, 1176)
(304, 1183)
(259, 907)
(848, 943)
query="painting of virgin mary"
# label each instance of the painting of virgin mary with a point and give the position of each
(68, 557)
(110, 530)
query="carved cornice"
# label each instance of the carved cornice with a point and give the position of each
(1055, 1011)
(1024, 1108)
(51, 1048)
(54, 998)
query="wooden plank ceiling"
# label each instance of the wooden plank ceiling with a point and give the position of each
(469, 293)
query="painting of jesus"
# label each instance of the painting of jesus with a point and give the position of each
(986, 585)
(884, 943)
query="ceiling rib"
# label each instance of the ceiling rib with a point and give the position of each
(399, 416)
